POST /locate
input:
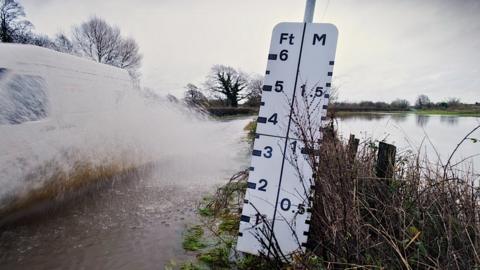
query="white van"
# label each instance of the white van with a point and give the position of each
(47, 101)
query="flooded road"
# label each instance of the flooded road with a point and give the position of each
(133, 223)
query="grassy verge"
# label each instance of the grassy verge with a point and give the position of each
(213, 240)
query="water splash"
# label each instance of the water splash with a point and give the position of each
(89, 121)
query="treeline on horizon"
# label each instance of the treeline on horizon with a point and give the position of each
(422, 102)
(228, 91)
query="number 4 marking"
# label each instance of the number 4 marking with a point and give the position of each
(273, 119)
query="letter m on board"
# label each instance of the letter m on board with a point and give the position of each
(319, 38)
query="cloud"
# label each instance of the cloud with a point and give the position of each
(387, 48)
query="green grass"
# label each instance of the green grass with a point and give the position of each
(449, 112)
(205, 212)
(219, 214)
(191, 266)
(216, 258)
(229, 224)
(475, 113)
(251, 128)
(192, 239)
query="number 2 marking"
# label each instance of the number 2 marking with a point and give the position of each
(264, 185)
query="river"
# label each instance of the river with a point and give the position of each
(433, 136)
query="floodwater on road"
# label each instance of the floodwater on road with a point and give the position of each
(134, 223)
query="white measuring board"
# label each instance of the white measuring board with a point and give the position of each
(276, 213)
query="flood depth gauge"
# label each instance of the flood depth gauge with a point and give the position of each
(277, 207)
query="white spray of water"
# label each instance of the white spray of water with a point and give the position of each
(88, 119)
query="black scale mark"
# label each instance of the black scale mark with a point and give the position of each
(272, 56)
(245, 218)
(286, 138)
(257, 153)
(251, 185)
(267, 88)
(262, 120)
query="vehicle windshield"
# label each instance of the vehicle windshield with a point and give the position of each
(23, 98)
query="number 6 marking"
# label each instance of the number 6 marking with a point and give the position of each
(284, 55)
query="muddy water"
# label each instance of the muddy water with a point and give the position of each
(133, 223)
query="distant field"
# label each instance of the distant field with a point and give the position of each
(467, 112)
(226, 112)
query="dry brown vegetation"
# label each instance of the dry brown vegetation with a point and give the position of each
(53, 181)
(426, 217)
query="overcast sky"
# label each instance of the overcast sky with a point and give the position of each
(387, 49)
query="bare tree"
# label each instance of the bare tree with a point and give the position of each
(103, 43)
(13, 28)
(128, 55)
(453, 102)
(63, 44)
(400, 104)
(227, 82)
(97, 39)
(194, 97)
(254, 96)
(422, 101)
(39, 40)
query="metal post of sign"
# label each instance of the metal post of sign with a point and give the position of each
(309, 10)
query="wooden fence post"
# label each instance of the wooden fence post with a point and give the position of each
(386, 160)
(352, 147)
